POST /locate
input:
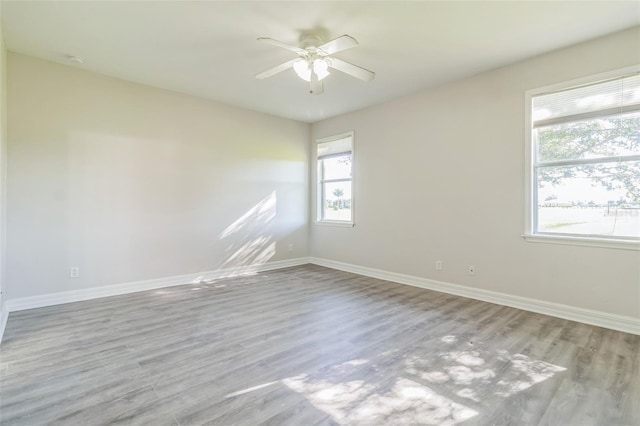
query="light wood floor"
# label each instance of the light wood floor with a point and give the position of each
(310, 345)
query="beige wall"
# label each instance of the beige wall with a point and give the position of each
(440, 176)
(130, 183)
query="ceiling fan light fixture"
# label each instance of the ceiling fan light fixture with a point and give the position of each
(320, 67)
(301, 67)
(304, 68)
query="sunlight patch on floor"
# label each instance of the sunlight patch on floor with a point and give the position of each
(166, 293)
(409, 402)
(332, 398)
(524, 373)
(251, 389)
(356, 402)
(430, 391)
(468, 370)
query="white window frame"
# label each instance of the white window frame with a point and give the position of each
(319, 181)
(530, 179)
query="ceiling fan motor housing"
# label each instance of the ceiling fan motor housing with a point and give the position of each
(309, 41)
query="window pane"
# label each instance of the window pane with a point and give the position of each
(595, 199)
(337, 167)
(337, 201)
(602, 137)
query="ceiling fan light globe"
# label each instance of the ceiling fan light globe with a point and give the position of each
(301, 67)
(320, 67)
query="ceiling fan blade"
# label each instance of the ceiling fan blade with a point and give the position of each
(339, 44)
(352, 70)
(275, 70)
(315, 86)
(296, 49)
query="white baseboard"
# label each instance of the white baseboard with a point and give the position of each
(4, 314)
(23, 303)
(587, 316)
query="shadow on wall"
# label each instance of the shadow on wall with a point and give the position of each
(251, 235)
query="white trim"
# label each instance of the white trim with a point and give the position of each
(529, 175)
(334, 223)
(587, 316)
(530, 205)
(4, 315)
(31, 302)
(601, 319)
(583, 241)
(318, 195)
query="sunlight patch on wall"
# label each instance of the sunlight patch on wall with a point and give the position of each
(251, 242)
(262, 213)
(254, 252)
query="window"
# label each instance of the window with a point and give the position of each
(585, 160)
(335, 179)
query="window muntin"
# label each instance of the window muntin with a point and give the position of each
(586, 160)
(335, 179)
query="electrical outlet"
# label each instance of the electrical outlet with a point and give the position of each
(74, 272)
(290, 248)
(438, 265)
(472, 270)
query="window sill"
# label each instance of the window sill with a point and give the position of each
(583, 241)
(334, 223)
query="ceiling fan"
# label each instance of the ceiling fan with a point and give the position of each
(314, 61)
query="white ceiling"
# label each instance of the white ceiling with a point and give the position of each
(209, 48)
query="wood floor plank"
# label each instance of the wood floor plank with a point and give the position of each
(310, 345)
